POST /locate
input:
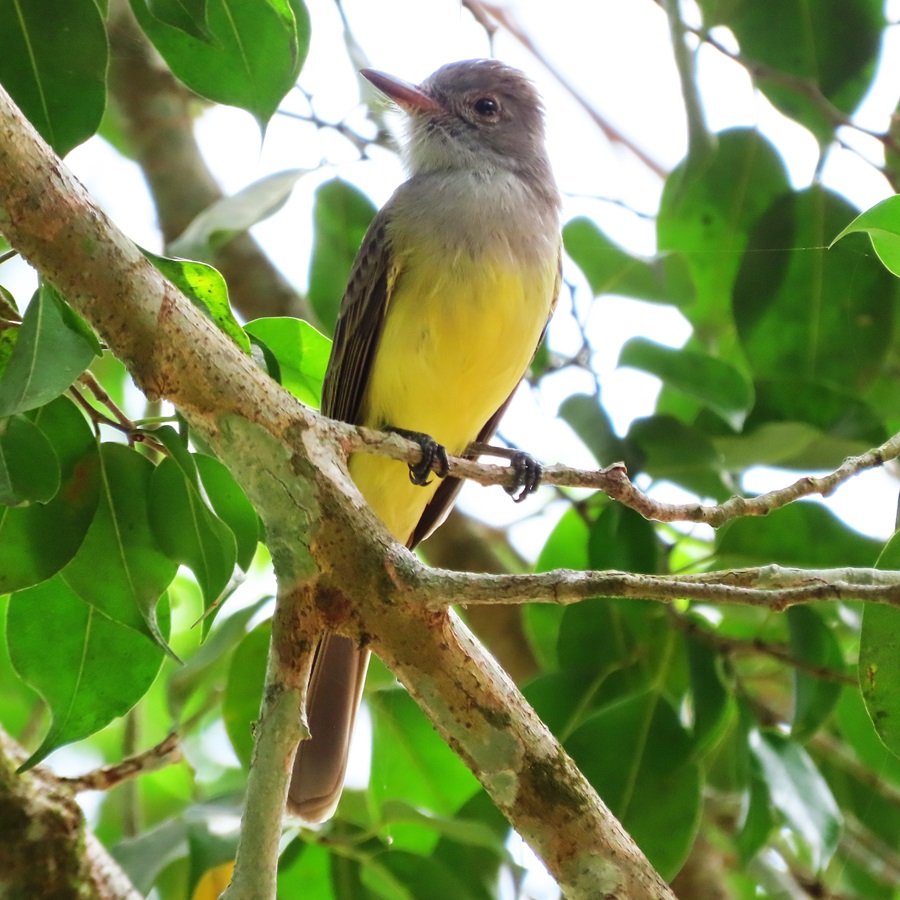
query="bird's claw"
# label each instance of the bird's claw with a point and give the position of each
(528, 473)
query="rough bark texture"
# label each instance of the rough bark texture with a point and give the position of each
(327, 546)
(45, 849)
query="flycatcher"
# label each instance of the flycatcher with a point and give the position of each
(447, 301)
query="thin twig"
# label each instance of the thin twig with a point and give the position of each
(166, 753)
(614, 481)
(733, 645)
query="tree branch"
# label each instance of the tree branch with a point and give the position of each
(614, 482)
(331, 554)
(166, 753)
(770, 587)
(46, 852)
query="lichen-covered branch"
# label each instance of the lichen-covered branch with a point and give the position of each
(331, 555)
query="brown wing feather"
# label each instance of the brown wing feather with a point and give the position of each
(359, 326)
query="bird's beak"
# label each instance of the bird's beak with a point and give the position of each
(407, 96)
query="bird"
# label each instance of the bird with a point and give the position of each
(446, 303)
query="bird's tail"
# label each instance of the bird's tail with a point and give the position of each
(335, 692)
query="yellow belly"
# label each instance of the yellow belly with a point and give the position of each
(455, 344)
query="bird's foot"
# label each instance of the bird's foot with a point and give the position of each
(434, 457)
(528, 473)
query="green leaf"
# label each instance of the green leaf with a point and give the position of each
(801, 313)
(188, 531)
(206, 289)
(637, 755)
(711, 698)
(29, 469)
(53, 59)
(456, 828)
(304, 870)
(213, 655)
(706, 214)
(121, 545)
(188, 16)
(757, 822)
(714, 382)
(244, 690)
(252, 60)
(412, 762)
(302, 354)
(38, 540)
(800, 793)
(879, 658)
(813, 642)
(806, 535)
(97, 670)
(566, 548)
(231, 505)
(611, 270)
(341, 216)
(670, 450)
(53, 348)
(590, 422)
(230, 216)
(830, 44)
(146, 855)
(801, 424)
(882, 224)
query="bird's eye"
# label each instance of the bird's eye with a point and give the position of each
(487, 107)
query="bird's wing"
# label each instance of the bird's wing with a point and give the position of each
(441, 503)
(359, 325)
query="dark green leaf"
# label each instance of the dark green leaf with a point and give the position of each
(53, 348)
(231, 216)
(802, 424)
(714, 382)
(637, 755)
(206, 288)
(757, 822)
(413, 763)
(813, 642)
(611, 270)
(821, 315)
(566, 548)
(879, 659)
(29, 469)
(829, 46)
(802, 534)
(673, 451)
(713, 706)
(38, 540)
(304, 870)
(53, 59)
(211, 657)
(252, 60)
(244, 690)
(121, 545)
(302, 354)
(187, 15)
(424, 877)
(231, 505)
(341, 215)
(188, 531)
(97, 670)
(590, 422)
(798, 791)
(707, 213)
